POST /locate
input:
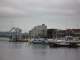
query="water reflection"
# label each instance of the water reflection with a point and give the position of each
(17, 45)
(38, 46)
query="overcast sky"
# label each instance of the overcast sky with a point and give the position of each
(28, 13)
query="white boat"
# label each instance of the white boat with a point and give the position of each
(39, 41)
(67, 42)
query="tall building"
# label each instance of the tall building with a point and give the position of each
(38, 31)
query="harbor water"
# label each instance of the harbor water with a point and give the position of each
(26, 51)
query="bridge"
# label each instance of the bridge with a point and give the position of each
(14, 34)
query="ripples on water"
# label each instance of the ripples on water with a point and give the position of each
(25, 51)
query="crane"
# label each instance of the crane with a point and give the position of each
(15, 34)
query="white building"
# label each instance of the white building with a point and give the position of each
(39, 31)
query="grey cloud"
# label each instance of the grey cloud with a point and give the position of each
(8, 11)
(54, 13)
(30, 7)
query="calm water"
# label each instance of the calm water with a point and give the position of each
(25, 51)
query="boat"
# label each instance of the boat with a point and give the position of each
(58, 43)
(39, 41)
(67, 42)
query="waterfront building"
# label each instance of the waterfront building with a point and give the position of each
(38, 31)
(51, 33)
(55, 33)
(73, 32)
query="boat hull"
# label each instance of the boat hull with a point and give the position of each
(52, 44)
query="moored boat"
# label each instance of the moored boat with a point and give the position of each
(67, 42)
